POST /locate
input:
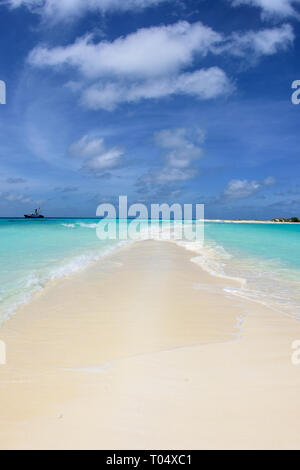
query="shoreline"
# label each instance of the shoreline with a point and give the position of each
(75, 264)
(251, 222)
(64, 274)
(238, 221)
(103, 358)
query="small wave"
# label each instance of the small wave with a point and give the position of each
(80, 224)
(84, 225)
(69, 225)
(25, 289)
(259, 280)
(212, 259)
(74, 265)
(21, 295)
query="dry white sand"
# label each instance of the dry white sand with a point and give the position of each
(144, 350)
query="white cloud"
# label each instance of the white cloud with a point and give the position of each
(238, 189)
(151, 63)
(181, 146)
(105, 161)
(87, 146)
(203, 84)
(171, 175)
(149, 52)
(58, 10)
(260, 43)
(12, 197)
(182, 150)
(269, 181)
(66, 10)
(97, 158)
(143, 65)
(272, 8)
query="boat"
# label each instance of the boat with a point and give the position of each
(35, 215)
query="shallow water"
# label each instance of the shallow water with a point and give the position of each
(265, 257)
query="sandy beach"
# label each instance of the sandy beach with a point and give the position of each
(145, 350)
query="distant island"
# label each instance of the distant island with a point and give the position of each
(291, 220)
(282, 220)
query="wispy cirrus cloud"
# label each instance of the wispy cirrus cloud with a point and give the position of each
(66, 10)
(272, 8)
(151, 63)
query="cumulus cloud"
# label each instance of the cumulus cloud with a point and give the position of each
(12, 197)
(269, 181)
(181, 146)
(170, 175)
(150, 63)
(181, 149)
(272, 8)
(149, 52)
(158, 51)
(203, 84)
(87, 146)
(105, 161)
(97, 158)
(267, 41)
(239, 189)
(64, 10)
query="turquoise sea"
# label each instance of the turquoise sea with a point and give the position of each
(265, 257)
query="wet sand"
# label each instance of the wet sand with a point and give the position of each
(145, 350)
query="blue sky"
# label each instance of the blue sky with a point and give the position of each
(161, 100)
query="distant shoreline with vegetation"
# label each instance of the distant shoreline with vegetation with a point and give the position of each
(293, 220)
(280, 220)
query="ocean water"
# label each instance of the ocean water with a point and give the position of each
(32, 252)
(264, 258)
